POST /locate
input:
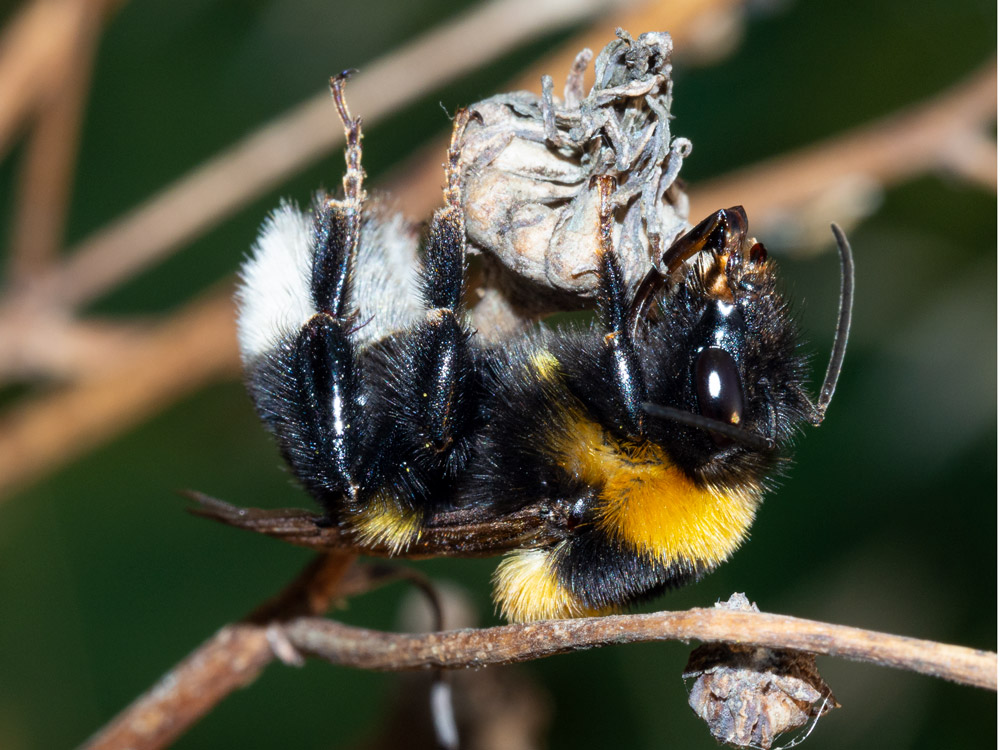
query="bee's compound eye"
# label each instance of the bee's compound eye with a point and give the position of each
(719, 389)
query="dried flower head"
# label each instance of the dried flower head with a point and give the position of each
(528, 167)
(749, 695)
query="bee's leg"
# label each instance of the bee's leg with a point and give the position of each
(444, 335)
(323, 365)
(723, 231)
(337, 227)
(420, 405)
(644, 295)
(619, 359)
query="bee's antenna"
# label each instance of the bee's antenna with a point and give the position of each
(843, 326)
(735, 433)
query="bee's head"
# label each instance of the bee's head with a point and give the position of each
(725, 374)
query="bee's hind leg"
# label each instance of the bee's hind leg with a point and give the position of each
(422, 404)
(337, 222)
(322, 431)
(443, 365)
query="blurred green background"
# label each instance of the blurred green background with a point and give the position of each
(887, 521)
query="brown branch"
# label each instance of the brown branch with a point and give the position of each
(506, 644)
(48, 345)
(33, 49)
(514, 643)
(236, 655)
(175, 358)
(50, 157)
(230, 659)
(466, 532)
(973, 157)
(937, 133)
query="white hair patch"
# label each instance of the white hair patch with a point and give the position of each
(273, 295)
(385, 280)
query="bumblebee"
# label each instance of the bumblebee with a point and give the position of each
(648, 438)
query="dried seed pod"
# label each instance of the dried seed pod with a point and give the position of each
(528, 166)
(749, 695)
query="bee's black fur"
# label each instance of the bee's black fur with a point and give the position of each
(291, 386)
(427, 419)
(604, 573)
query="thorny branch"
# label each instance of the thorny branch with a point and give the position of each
(237, 654)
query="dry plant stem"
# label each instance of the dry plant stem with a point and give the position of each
(50, 345)
(945, 132)
(29, 43)
(33, 49)
(368, 649)
(463, 533)
(237, 653)
(222, 185)
(50, 158)
(973, 157)
(680, 17)
(230, 659)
